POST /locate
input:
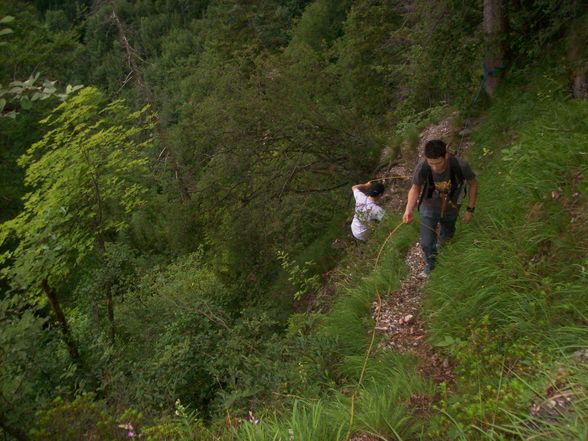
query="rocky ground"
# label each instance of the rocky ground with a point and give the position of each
(402, 326)
(399, 319)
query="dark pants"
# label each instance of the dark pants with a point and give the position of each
(429, 243)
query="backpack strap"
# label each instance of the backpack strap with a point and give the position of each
(456, 175)
(428, 186)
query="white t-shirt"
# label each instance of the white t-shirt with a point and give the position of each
(366, 211)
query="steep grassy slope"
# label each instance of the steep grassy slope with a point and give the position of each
(507, 303)
(509, 299)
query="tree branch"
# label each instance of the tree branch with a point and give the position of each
(317, 190)
(137, 74)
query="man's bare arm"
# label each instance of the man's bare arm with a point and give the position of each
(361, 187)
(413, 197)
(473, 192)
(472, 195)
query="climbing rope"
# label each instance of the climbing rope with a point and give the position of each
(487, 73)
(373, 333)
(391, 177)
(466, 123)
(372, 339)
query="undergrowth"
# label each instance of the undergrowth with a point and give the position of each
(338, 349)
(508, 298)
(506, 303)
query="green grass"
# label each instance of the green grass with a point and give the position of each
(509, 293)
(343, 340)
(379, 412)
(522, 259)
(506, 303)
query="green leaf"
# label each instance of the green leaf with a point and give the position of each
(25, 103)
(71, 89)
(447, 341)
(31, 80)
(57, 227)
(2, 104)
(6, 31)
(7, 19)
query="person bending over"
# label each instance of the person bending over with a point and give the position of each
(367, 209)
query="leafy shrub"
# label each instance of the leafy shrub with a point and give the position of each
(519, 305)
(84, 418)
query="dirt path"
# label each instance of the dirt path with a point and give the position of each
(401, 322)
(402, 325)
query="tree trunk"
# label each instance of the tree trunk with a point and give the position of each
(14, 432)
(495, 35)
(110, 309)
(102, 248)
(147, 96)
(580, 84)
(578, 57)
(67, 337)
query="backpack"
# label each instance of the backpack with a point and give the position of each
(455, 174)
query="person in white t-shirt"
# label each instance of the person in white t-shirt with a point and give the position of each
(367, 209)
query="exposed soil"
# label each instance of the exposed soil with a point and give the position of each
(365, 437)
(402, 326)
(400, 321)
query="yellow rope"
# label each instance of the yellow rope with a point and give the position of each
(373, 338)
(391, 177)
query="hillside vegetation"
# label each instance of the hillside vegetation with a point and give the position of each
(175, 247)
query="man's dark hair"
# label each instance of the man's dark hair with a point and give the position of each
(375, 189)
(435, 149)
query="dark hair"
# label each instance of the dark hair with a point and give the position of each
(375, 189)
(435, 149)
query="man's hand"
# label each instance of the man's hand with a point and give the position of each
(467, 217)
(407, 218)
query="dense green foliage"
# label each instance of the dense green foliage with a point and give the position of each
(87, 174)
(522, 305)
(165, 229)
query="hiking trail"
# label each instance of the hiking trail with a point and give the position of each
(401, 324)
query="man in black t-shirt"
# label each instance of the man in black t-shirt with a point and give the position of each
(438, 187)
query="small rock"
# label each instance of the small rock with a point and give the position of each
(582, 355)
(408, 319)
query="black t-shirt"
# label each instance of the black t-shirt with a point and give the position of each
(442, 183)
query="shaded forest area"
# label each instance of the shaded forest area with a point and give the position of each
(161, 223)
